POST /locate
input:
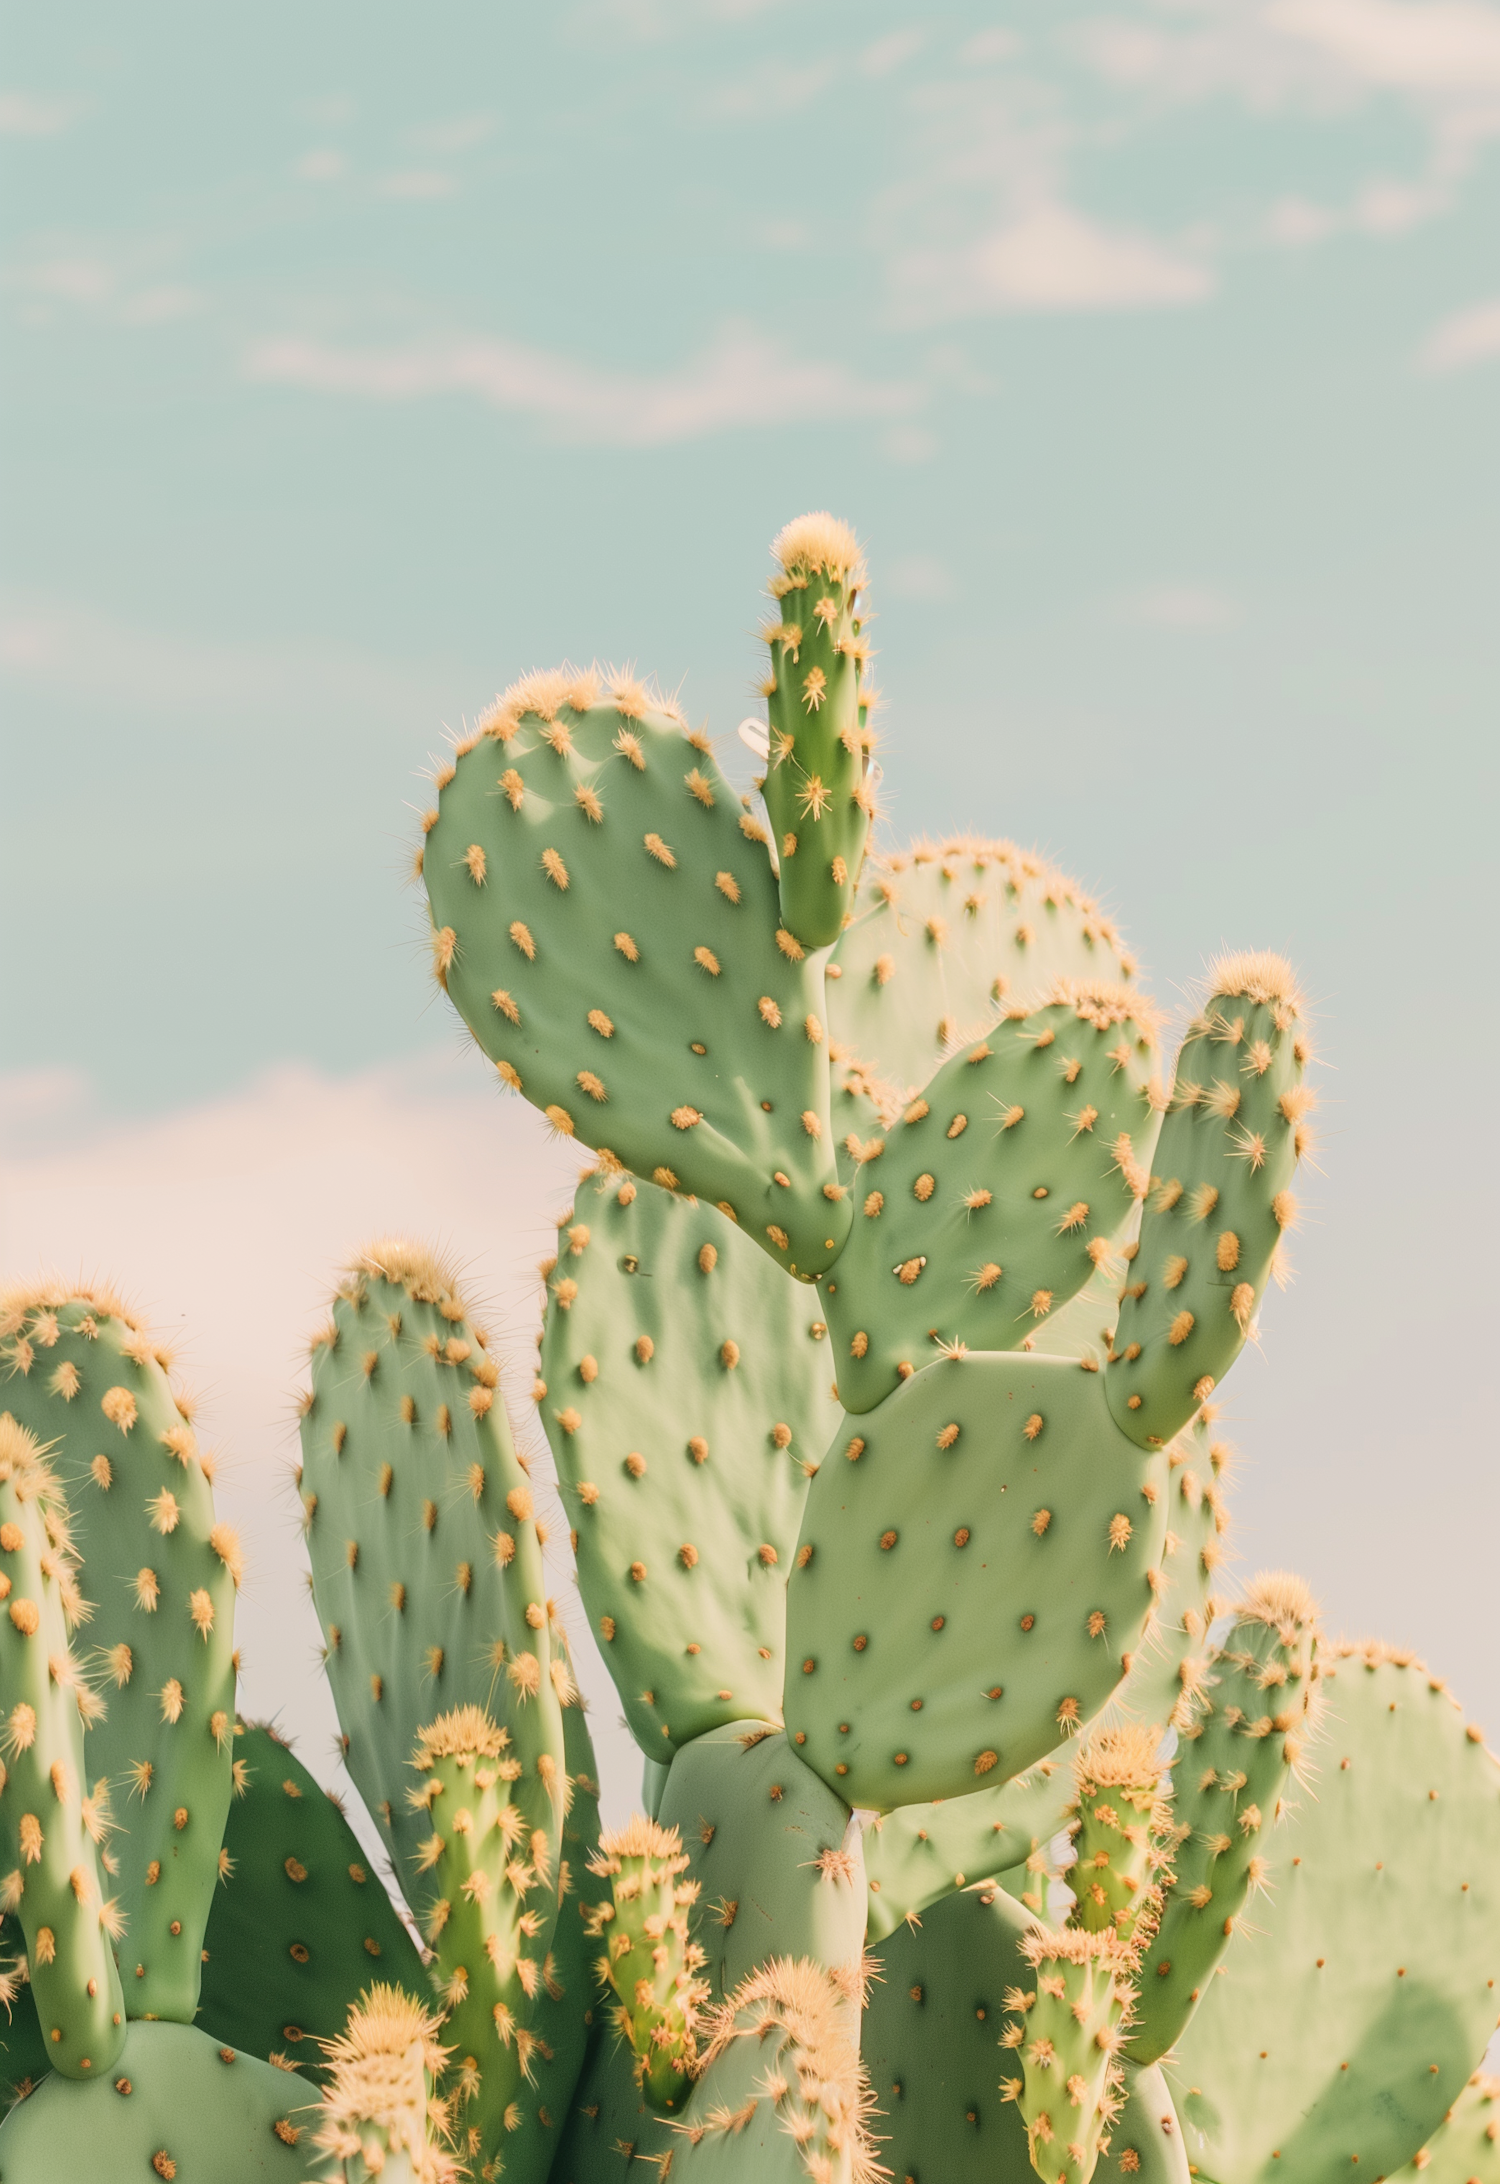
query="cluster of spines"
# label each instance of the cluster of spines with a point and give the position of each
(650, 1959)
(1119, 1828)
(379, 2107)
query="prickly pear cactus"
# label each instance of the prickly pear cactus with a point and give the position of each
(1346, 2026)
(380, 2116)
(648, 1958)
(300, 1924)
(160, 1572)
(683, 1386)
(1118, 1824)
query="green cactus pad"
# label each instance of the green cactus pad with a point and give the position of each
(425, 1548)
(608, 926)
(174, 2104)
(1465, 2148)
(776, 1861)
(817, 790)
(300, 1924)
(1220, 1199)
(996, 1195)
(919, 1853)
(687, 1398)
(975, 1562)
(1238, 1744)
(51, 1827)
(1348, 2024)
(161, 1572)
(944, 936)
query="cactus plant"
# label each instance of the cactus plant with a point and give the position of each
(381, 2117)
(160, 1572)
(648, 1957)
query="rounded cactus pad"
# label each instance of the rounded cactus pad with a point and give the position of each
(684, 1387)
(997, 1192)
(424, 1540)
(174, 2105)
(607, 923)
(1220, 1201)
(1347, 2022)
(53, 1826)
(1241, 1732)
(160, 1571)
(978, 1562)
(946, 934)
(300, 1924)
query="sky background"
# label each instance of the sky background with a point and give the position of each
(358, 359)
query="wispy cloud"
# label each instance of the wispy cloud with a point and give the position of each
(1180, 607)
(1468, 338)
(24, 114)
(743, 380)
(1409, 45)
(1048, 258)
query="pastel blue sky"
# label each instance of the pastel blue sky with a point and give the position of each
(359, 358)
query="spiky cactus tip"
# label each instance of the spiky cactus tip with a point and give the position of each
(380, 2106)
(650, 1958)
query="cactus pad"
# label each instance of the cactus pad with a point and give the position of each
(996, 1195)
(607, 924)
(1465, 2148)
(1221, 1199)
(425, 1546)
(173, 2105)
(975, 1561)
(299, 1924)
(1349, 2023)
(686, 1401)
(160, 1572)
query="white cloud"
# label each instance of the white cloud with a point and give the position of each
(1435, 46)
(917, 576)
(1469, 338)
(22, 114)
(227, 1222)
(744, 379)
(446, 139)
(1049, 258)
(1180, 606)
(891, 52)
(322, 166)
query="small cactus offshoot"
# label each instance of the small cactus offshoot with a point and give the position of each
(650, 1958)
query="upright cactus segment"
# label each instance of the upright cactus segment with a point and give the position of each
(161, 1572)
(976, 1560)
(1067, 2033)
(946, 934)
(1167, 1666)
(607, 923)
(1346, 2024)
(491, 1915)
(300, 1924)
(997, 1194)
(1221, 1199)
(425, 1545)
(174, 2104)
(51, 1826)
(380, 2116)
(1119, 1822)
(818, 790)
(684, 1389)
(1238, 1744)
(649, 1957)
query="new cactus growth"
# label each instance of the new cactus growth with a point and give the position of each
(818, 789)
(160, 1571)
(1119, 1819)
(649, 1957)
(1067, 2030)
(380, 2116)
(1239, 1739)
(53, 1825)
